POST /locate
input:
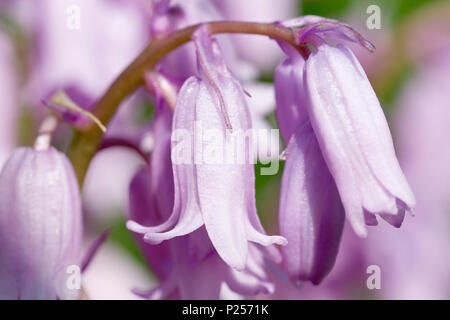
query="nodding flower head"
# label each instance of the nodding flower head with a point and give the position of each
(355, 140)
(40, 226)
(181, 264)
(339, 146)
(220, 196)
(311, 214)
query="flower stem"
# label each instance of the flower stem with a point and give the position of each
(85, 143)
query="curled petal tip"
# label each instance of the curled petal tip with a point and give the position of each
(395, 220)
(135, 227)
(281, 241)
(152, 239)
(367, 44)
(265, 240)
(329, 28)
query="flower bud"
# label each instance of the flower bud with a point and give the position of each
(40, 226)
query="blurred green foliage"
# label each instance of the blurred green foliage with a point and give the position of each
(121, 236)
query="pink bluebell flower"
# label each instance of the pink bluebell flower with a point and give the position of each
(311, 215)
(181, 264)
(340, 151)
(40, 226)
(355, 140)
(219, 196)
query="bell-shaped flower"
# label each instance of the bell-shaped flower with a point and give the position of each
(354, 137)
(181, 264)
(311, 214)
(40, 226)
(338, 145)
(214, 175)
(349, 124)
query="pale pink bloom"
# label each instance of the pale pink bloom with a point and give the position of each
(356, 142)
(40, 226)
(216, 99)
(339, 153)
(347, 279)
(183, 264)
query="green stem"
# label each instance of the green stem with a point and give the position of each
(85, 143)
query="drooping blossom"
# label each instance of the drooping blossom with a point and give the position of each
(218, 195)
(183, 264)
(40, 226)
(311, 215)
(336, 147)
(81, 47)
(8, 98)
(355, 141)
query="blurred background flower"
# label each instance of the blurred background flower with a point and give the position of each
(81, 46)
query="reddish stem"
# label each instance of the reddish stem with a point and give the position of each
(85, 143)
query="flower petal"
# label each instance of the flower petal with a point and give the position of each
(290, 96)
(311, 215)
(354, 137)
